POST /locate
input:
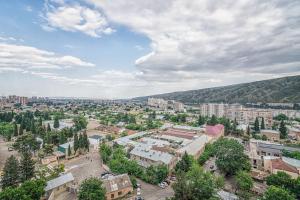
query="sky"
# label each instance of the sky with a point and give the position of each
(121, 49)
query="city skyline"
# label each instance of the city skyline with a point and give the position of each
(105, 49)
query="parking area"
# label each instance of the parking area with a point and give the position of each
(153, 192)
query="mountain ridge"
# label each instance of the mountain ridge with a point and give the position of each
(278, 90)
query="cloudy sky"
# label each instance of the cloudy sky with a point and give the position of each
(118, 48)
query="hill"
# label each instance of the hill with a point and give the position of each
(281, 90)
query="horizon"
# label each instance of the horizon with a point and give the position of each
(120, 50)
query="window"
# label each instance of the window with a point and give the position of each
(120, 193)
(112, 196)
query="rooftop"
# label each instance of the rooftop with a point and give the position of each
(115, 183)
(59, 181)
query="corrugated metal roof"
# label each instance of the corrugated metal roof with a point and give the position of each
(59, 181)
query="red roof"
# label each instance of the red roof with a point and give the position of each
(214, 130)
(280, 165)
(180, 133)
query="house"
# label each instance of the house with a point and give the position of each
(58, 185)
(94, 141)
(272, 135)
(294, 132)
(64, 147)
(215, 131)
(288, 165)
(196, 147)
(146, 156)
(117, 186)
(180, 133)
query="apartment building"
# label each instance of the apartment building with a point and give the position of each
(210, 109)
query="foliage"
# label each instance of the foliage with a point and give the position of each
(56, 122)
(26, 142)
(262, 124)
(281, 117)
(277, 193)
(184, 164)
(230, 156)
(201, 120)
(208, 152)
(196, 184)
(213, 120)
(26, 166)
(29, 190)
(283, 180)
(10, 175)
(80, 122)
(244, 183)
(91, 189)
(105, 152)
(282, 130)
(295, 154)
(256, 125)
(6, 130)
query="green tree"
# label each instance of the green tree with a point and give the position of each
(201, 120)
(277, 193)
(29, 190)
(256, 125)
(184, 164)
(21, 129)
(76, 142)
(80, 122)
(15, 129)
(248, 131)
(69, 150)
(282, 130)
(26, 166)
(91, 189)
(56, 122)
(10, 175)
(48, 127)
(213, 120)
(105, 152)
(230, 156)
(262, 125)
(244, 183)
(195, 184)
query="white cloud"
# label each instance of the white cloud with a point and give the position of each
(26, 57)
(75, 18)
(28, 8)
(189, 38)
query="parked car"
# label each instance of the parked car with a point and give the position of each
(139, 198)
(161, 185)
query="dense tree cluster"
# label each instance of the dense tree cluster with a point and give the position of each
(91, 189)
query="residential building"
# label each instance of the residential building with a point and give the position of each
(215, 131)
(64, 148)
(195, 147)
(59, 185)
(117, 186)
(282, 164)
(146, 156)
(272, 135)
(210, 109)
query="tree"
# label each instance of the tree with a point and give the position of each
(21, 128)
(264, 137)
(26, 166)
(76, 142)
(29, 190)
(244, 183)
(15, 129)
(285, 181)
(184, 164)
(213, 120)
(248, 130)
(195, 184)
(256, 125)
(277, 193)
(48, 127)
(230, 156)
(105, 152)
(56, 122)
(282, 130)
(262, 125)
(201, 120)
(281, 117)
(32, 127)
(86, 142)
(10, 175)
(91, 189)
(69, 150)
(80, 122)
